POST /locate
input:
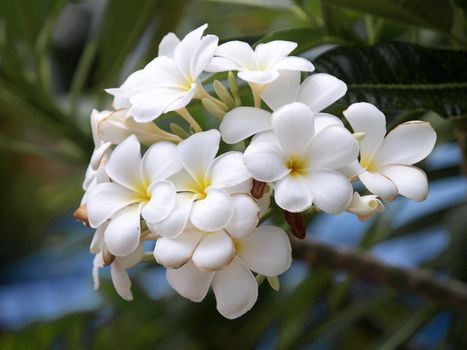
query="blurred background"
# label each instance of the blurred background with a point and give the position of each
(57, 56)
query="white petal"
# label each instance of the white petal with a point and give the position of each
(190, 282)
(198, 152)
(174, 252)
(228, 170)
(321, 90)
(246, 216)
(98, 154)
(334, 147)
(176, 222)
(151, 104)
(160, 161)
(366, 118)
(379, 184)
(162, 202)
(239, 53)
(243, 187)
(259, 76)
(203, 55)
(332, 191)
(98, 239)
(213, 212)
(292, 194)
(265, 161)
(294, 63)
(235, 288)
(105, 200)
(133, 259)
(351, 170)
(185, 51)
(281, 91)
(215, 250)
(268, 54)
(407, 144)
(121, 281)
(183, 99)
(266, 251)
(122, 233)
(293, 125)
(221, 64)
(365, 206)
(168, 44)
(124, 164)
(243, 122)
(410, 181)
(323, 120)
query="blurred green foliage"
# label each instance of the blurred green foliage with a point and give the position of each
(57, 56)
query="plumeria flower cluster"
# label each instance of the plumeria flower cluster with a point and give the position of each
(203, 197)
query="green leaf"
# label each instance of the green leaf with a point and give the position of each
(426, 13)
(306, 38)
(400, 76)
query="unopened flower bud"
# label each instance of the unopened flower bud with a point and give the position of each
(81, 214)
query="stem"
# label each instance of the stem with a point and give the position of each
(444, 290)
(185, 114)
(256, 90)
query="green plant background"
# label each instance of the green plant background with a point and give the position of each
(56, 56)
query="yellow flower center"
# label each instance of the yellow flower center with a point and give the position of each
(298, 166)
(237, 244)
(368, 164)
(199, 187)
(143, 195)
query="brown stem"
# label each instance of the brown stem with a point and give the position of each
(295, 221)
(258, 189)
(442, 289)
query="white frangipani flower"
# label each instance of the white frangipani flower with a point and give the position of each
(365, 206)
(170, 81)
(385, 166)
(209, 251)
(301, 163)
(318, 92)
(205, 186)
(266, 251)
(261, 66)
(138, 188)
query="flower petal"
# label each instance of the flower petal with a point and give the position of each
(331, 191)
(160, 161)
(215, 250)
(334, 147)
(323, 120)
(265, 161)
(281, 91)
(133, 259)
(235, 289)
(177, 220)
(186, 49)
(122, 234)
(124, 164)
(243, 122)
(198, 152)
(121, 281)
(366, 118)
(203, 54)
(213, 212)
(410, 181)
(270, 53)
(294, 63)
(239, 53)
(365, 206)
(105, 200)
(98, 239)
(407, 144)
(292, 194)
(162, 202)
(228, 170)
(379, 184)
(190, 282)
(259, 76)
(266, 250)
(174, 252)
(321, 90)
(168, 44)
(293, 125)
(245, 218)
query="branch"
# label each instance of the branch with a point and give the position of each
(359, 263)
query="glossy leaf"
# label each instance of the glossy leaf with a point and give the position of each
(399, 76)
(426, 13)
